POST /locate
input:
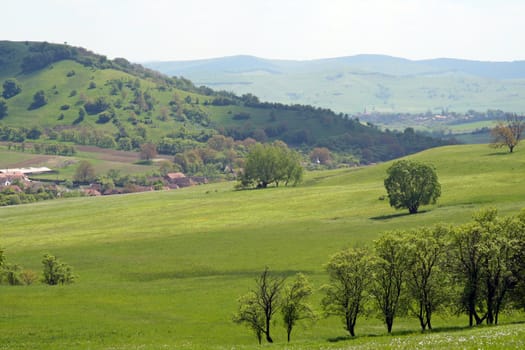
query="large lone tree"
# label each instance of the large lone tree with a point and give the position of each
(410, 184)
(271, 163)
(508, 133)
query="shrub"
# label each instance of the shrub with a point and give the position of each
(12, 274)
(28, 277)
(39, 100)
(56, 272)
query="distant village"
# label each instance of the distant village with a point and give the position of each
(18, 186)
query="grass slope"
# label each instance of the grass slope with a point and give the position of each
(164, 270)
(58, 88)
(365, 82)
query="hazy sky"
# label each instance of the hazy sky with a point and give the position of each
(142, 30)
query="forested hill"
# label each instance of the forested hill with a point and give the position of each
(61, 93)
(366, 82)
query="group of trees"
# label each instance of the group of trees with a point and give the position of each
(54, 272)
(270, 296)
(477, 269)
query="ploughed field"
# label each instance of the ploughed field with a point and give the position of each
(163, 270)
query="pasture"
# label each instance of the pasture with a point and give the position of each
(163, 270)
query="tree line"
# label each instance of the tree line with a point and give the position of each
(476, 269)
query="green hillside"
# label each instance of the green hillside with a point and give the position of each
(69, 94)
(164, 269)
(371, 83)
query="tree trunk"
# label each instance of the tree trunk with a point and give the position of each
(289, 332)
(389, 323)
(429, 316)
(422, 323)
(350, 326)
(267, 332)
(412, 210)
(268, 338)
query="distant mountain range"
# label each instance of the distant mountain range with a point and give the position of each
(364, 82)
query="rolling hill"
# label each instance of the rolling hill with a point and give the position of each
(69, 94)
(165, 269)
(365, 83)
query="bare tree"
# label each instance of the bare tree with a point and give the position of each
(508, 133)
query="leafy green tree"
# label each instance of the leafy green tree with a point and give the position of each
(39, 100)
(11, 88)
(350, 274)
(3, 108)
(508, 133)
(518, 260)
(257, 308)
(427, 280)
(410, 184)
(85, 172)
(56, 272)
(483, 258)
(267, 164)
(388, 276)
(294, 306)
(251, 314)
(124, 143)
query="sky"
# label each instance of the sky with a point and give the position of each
(162, 30)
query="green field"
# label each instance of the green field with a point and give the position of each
(163, 270)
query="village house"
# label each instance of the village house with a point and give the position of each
(178, 180)
(8, 178)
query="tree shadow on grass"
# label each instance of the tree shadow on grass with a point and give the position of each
(450, 329)
(393, 216)
(204, 272)
(493, 154)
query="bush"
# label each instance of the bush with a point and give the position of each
(28, 277)
(56, 272)
(97, 106)
(241, 116)
(12, 274)
(39, 100)
(11, 88)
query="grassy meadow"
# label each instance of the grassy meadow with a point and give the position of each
(163, 270)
